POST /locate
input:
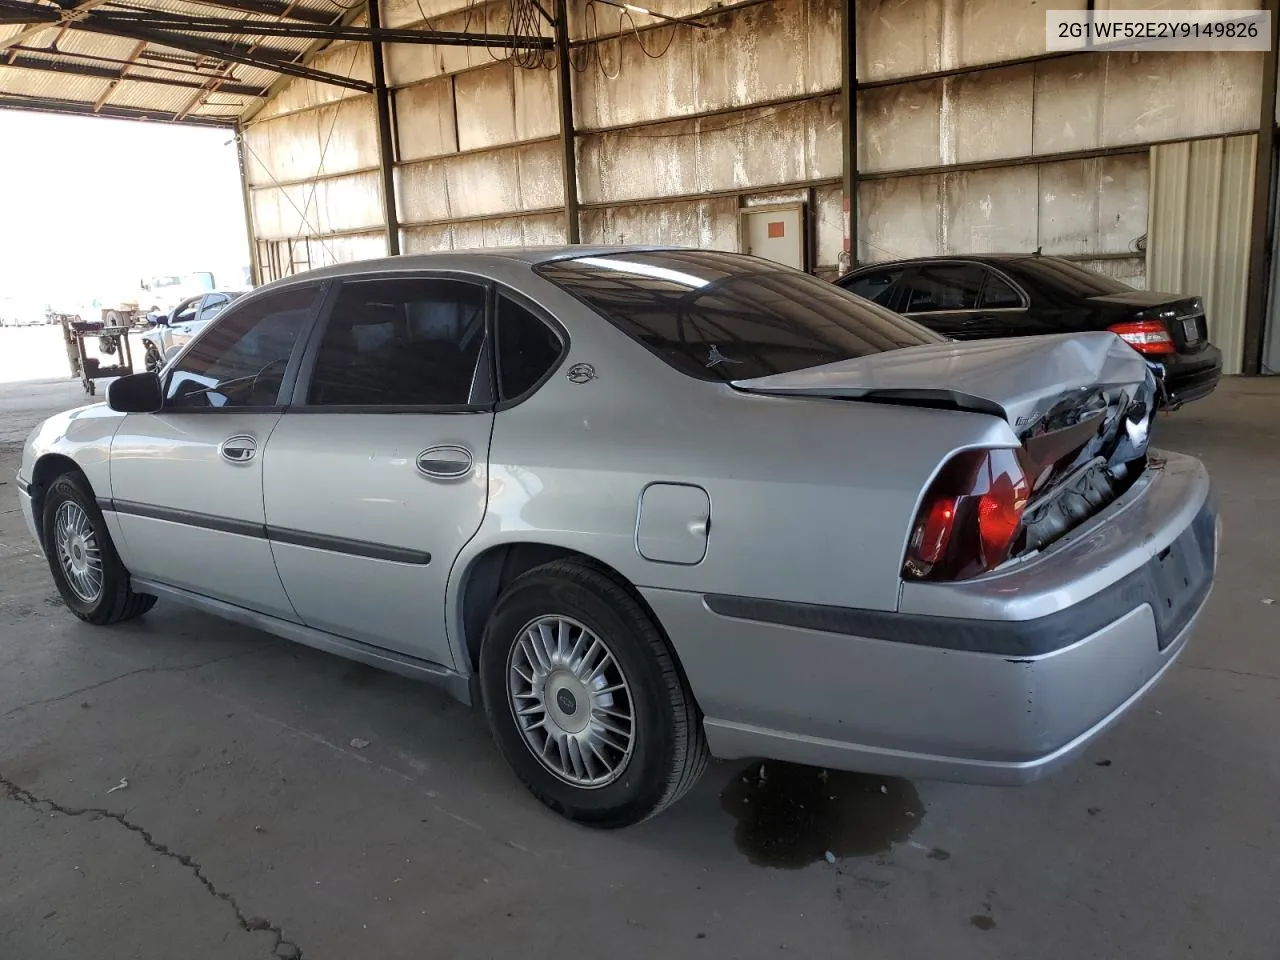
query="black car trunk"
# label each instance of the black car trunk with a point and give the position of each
(1182, 317)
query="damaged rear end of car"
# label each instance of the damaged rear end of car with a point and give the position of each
(1079, 408)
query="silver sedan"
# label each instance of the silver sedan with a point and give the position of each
(651, 506)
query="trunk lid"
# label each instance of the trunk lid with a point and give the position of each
(1024, 380)
(1183, 317)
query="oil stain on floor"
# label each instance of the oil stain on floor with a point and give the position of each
(790, 816)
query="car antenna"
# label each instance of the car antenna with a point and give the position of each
(1037, 253)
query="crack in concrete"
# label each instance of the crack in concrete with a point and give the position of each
(283, 948)
(1236, 673)
(154, 668)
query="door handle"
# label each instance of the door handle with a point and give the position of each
(445, 462)
(238, 449)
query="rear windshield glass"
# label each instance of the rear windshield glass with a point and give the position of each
(724, 316)
(1075, 279)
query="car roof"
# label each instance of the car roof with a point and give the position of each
(475, 257)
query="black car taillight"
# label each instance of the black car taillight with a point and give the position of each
(970, 518)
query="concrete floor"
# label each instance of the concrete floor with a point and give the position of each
(255, 824)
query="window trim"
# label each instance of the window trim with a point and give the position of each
(542, 314)
(297, 402)
(324, 289)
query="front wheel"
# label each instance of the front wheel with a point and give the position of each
(86, 568)
(585, 699)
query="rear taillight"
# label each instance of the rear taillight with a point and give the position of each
(971, 517)
(1149, 337)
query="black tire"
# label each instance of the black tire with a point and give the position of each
(669, 750)
(115, 601)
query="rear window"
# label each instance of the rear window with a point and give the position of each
(725, 316)
(1070, 277)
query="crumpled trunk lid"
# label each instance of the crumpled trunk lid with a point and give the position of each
(1020, 379)
(1080, 404)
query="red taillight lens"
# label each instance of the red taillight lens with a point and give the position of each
(1149, 337)
(935, 533)
(971, 517)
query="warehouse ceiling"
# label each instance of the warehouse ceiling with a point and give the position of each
(208, 62)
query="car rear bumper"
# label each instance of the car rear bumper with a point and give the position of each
(1003, 680)
(1192, 376)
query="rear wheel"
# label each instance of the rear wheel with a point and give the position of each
(86, 568)
(585, 699)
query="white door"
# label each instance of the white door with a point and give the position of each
(376, 477)
(186, 483)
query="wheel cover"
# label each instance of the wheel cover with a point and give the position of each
(571, 701)
(79, 554)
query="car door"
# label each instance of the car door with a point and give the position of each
(943, 296)
(377, 475)
(186, 482)
(189, 321)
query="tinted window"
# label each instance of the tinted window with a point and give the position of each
(998, 295)
(400, 343)
(240, 360)
(943, 286)
(527, 348)
(723, 316)
(876, 286)
(1070, 278)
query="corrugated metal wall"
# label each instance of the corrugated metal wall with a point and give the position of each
(1201, 196)
(680, 128)
(311, 158)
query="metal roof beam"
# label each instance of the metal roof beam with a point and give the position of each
(108, 73)
(22, 36)
(273, 8)
(336, 32)
(54, 105)
(264, 58)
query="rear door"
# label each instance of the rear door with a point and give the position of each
(377, 475)
(186, 482)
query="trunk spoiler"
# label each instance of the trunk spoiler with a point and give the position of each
(1024, 380)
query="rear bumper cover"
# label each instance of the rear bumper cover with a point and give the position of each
(1193, 376)
(970, 695)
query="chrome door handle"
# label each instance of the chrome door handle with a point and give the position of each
(445, 462)
(238, 449)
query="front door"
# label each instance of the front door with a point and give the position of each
(186, 482)
(376, 477)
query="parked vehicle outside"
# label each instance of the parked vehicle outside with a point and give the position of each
(172, 331)
(1017, 295)
(650, 506)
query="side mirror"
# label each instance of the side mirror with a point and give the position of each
(136, 393)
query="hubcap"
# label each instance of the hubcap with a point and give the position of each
(76, 544)
(571, 701)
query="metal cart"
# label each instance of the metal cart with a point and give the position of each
(111, 340)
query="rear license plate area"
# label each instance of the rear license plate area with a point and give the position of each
(1191, 330)
(1180, 577)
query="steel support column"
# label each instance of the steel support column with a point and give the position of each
(1262, 227)
(386, 135)
(569, 153)
(849, 130)
(246, 195)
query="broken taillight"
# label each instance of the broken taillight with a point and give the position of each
(970, 518)
(1149, 337)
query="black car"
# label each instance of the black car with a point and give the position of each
(1019, 295)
